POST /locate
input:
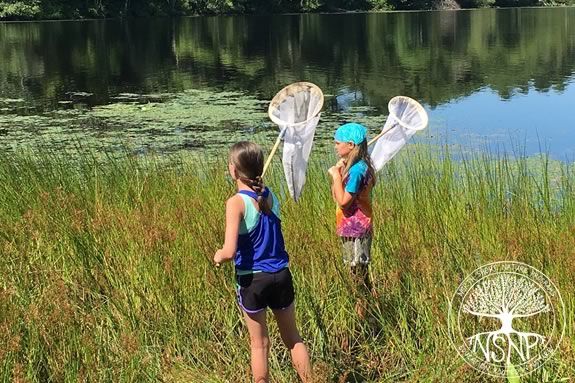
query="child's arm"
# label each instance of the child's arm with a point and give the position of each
(234, 213)
(338, 167)
(340, 196)
(333, 192)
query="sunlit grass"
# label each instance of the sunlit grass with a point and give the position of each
(107, 275)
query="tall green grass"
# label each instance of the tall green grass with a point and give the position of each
(106, 273)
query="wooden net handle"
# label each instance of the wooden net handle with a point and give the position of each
(274, 149)
(374, 139)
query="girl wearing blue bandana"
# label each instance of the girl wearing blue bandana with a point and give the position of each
(255, 242)
(352, 180)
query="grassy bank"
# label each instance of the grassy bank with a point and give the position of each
(106, 270)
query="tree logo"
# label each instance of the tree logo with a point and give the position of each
(506, 314)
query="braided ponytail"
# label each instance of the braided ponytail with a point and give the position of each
(257, 185)
(248, 159)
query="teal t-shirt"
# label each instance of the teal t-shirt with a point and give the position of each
(356, 174)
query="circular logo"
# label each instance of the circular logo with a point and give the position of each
(506, 315)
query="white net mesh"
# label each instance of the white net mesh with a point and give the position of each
(406, 117)
(296, 110)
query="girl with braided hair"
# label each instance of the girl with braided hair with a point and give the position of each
(255, 242)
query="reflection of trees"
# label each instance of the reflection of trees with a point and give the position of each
(434, 57)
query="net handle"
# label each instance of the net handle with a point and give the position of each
(385, 130)
(274, 149)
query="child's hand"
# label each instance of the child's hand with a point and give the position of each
(218, 257)
(335, 172)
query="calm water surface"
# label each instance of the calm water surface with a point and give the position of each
(490, 79)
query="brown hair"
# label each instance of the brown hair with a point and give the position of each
(248, 159)
(359, 152)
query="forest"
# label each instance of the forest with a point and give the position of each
(79, 9)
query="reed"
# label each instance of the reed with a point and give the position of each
(106, 271)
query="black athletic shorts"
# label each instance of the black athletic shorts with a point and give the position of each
(260, 290)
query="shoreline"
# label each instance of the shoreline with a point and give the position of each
(323, 12)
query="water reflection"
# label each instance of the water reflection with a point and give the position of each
(439, 58)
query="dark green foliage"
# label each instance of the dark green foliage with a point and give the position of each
(410, 4)
(479, 3)
(59, 9)
(15, 9)
(523, 3)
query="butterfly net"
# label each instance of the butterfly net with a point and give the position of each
(406, 117)
(296, 110)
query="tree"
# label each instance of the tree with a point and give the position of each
(22, 9)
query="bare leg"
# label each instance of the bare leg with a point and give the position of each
(360, 276)
(260, 344)
(361, 281)
(300, 358)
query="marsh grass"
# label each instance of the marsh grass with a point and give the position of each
(107, 275)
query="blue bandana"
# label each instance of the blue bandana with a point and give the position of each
(351, 132)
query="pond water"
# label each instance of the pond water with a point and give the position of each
(491, 79)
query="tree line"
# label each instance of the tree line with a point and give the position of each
(58, 9)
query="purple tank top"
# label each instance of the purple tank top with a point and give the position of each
(262, 248)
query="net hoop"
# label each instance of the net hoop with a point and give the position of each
(391, 106)
(289, 91)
